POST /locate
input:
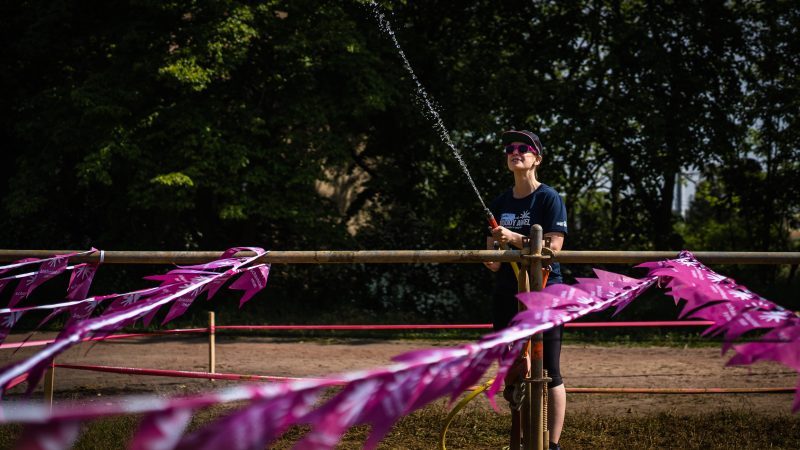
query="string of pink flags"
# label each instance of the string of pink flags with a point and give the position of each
(376, 397)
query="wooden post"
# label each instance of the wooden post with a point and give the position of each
(49, 384)
(212, 353)
(521, 434)
(536, 428)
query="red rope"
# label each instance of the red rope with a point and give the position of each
(602, 390)
(682, 323)
(179, 373)
(667, 323)
(574, 390)
(16, 345)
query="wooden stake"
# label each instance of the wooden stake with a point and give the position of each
(49, 384)
(212, 352)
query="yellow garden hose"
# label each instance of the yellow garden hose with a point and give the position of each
(480, 389)
(461, 404)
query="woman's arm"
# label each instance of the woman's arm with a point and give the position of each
(556, 240)
(506, 236)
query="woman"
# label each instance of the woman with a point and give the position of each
(529, 202)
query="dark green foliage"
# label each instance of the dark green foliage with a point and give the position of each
(292, 125)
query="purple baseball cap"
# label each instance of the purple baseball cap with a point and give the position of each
(524, 136)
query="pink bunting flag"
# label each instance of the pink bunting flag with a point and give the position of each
(49, 270)
(127, 300)
(53, 435)
(81, 280)
(217, 283)
(162, 430)
(3, 283)
(23, 289)
(18, 264)
(734, 309)
(79, 284)
(181, 276)
(119, 315)
(750, 320)
(253, 280)
(780, 345)
(255, 426)
(180, 305)
(332, 419)
(7, 321)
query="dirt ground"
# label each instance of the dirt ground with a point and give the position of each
(582, 366)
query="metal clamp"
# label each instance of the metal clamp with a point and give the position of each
(538, 380)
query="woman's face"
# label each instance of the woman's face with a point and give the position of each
(522, 161)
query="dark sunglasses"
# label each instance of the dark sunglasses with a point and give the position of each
(521, 148)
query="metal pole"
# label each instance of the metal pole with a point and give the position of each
(212, 352)
(282, 257)
(545, 412)
(628, 257)
(537, 348)
(524, 413)
(411, 256)
(49, 384)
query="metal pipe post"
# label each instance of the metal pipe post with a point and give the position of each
(524, 414)
(537, 349)
(545, 411)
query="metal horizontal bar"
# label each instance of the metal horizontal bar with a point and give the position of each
(283, 257)
(394, 256)
(633, 257)
(410, 256)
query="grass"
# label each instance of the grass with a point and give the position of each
(480, 428)
(645, 338)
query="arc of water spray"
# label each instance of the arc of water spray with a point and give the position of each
(438, 124)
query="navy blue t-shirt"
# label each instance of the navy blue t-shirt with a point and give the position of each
(543, 206)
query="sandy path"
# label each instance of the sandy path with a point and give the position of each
(582, 366)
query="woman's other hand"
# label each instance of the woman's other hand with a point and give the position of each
(491, 265)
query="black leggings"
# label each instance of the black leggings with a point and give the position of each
(505, 307)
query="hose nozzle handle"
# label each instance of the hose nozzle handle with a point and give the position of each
(491, 219)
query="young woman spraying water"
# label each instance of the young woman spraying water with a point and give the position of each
(528, 202)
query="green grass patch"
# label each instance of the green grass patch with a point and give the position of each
(480, 428)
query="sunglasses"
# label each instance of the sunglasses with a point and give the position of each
(521, 148)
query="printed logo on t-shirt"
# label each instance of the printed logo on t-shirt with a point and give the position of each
(511, 220)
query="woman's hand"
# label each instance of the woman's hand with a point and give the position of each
(491, 265)
(507, 237)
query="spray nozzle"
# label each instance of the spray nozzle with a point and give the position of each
(491, 219)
